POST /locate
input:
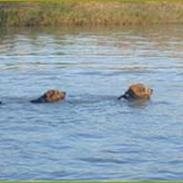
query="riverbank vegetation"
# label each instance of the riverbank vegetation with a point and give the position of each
(90, 12)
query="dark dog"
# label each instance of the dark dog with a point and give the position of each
(50, 96)
(137, 91)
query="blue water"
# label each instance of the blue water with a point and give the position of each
(91, 135)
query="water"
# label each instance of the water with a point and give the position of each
(91, 135)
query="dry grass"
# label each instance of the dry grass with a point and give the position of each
(91, 12)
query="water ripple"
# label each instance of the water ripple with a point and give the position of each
(91, 135)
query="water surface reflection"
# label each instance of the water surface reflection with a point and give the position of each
(91, 135)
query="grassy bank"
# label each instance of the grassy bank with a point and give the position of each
(90, 12)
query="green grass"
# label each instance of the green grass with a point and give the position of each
(90, 12)
(89, 1)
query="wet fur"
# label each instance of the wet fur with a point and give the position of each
(137, 91)
(50, 96)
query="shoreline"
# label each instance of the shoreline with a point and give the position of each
(90, 13)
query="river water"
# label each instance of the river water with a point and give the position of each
(91, 135)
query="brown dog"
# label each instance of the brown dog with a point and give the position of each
(137, 91)
(50, 96)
